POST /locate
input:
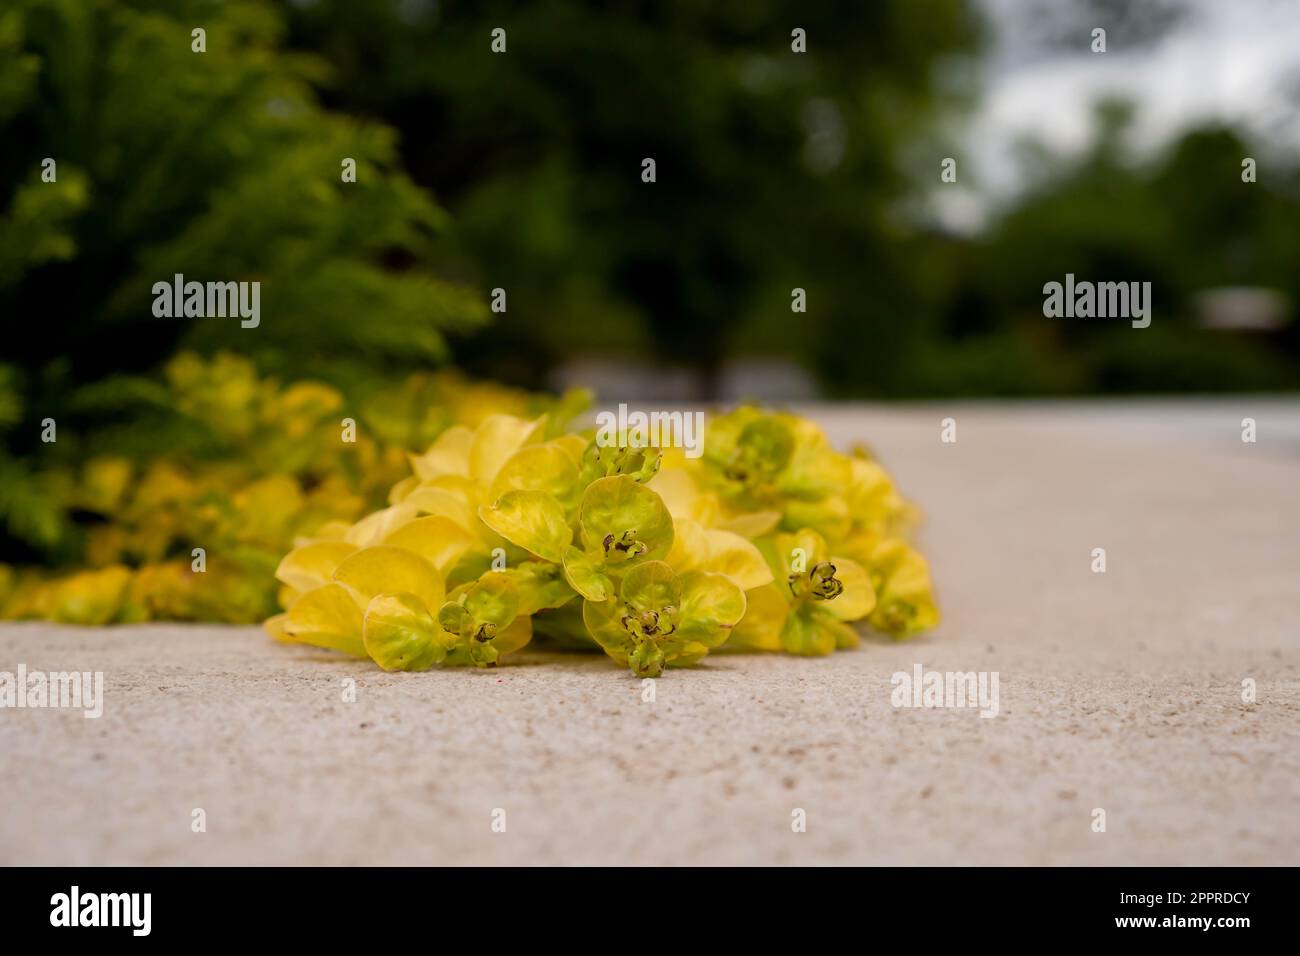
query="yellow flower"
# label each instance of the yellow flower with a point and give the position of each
(807, 608)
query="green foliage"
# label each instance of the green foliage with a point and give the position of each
(1181, 218)
(218, 165)
(775, 169)
(779, 170)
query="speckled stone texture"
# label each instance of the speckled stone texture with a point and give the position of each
(1120, 691)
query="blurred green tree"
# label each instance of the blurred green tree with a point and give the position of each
(1181, 218)
(776, 169)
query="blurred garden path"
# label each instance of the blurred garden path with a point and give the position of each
(1120, 691)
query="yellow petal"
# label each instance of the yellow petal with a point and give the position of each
(573, 445)
(310, 566)
(906, 602)
(435, 538)
(532, 520)
(690, 654)
(403, 488)
(496, 439)
(711, 605)
(432, 499)
(449, 455)
(274, 625)
(373, 528)
(682, 496)
(858, 599)
(737, 558)
(753, 524)
(515, 635)
(387, 570)
(690, 545)
(871, 494)
(326, 617)
(330, 531)
(803, 549)
(586, 575)
(765, 614)
(401, 635)
(545, 468)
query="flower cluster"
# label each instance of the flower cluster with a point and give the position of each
(771, 540)
(233, 463)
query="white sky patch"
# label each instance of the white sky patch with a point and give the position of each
(1234, 60)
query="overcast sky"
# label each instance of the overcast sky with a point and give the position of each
(1236, 59)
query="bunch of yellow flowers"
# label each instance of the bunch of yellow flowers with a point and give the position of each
(770, 540)
(194, 531)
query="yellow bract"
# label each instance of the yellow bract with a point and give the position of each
(277, 466)
(718, 550)
(502, 527)
(312, 565)
(436, 538)
(326, 617)
(496, 439)
(388, 570)
(400, 634)
(772, 541)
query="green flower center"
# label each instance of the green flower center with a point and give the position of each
(743, 468)
(623, 546)
(640, 463)
(651, 623)
(762, 452)
(820, 583)
(896, 615)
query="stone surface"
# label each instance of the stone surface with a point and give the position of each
(1120, 691)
